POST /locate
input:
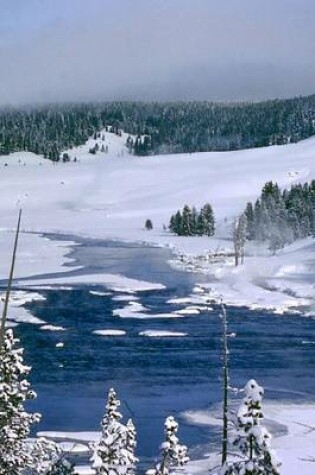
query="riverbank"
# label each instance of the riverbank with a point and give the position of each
(292, 426)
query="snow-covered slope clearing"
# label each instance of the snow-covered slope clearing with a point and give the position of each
(109, 195)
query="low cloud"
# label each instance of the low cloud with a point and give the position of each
(156, 50)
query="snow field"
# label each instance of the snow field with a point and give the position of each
(111, 195)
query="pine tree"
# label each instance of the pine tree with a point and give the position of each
(148, 225)
(251, 440)
(176, 223)
(131, 444)
(15, 421)
(48, 459)
(200, 224)
(111, 455)
(173, 454)
(249, 213)
(208, 219)
(193, 221)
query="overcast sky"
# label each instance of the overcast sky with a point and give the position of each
(64, 50)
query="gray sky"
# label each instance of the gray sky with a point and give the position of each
(62, 50)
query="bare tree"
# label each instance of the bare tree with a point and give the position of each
(239, 238)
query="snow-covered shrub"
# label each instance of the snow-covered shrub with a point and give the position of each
(15, 422)
(252, 441)
(173, 454)
(114, 453)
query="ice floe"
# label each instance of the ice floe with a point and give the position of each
(161, 333)
(109, 332)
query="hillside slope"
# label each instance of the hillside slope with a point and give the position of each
(110, 196)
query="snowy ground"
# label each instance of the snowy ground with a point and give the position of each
(294, 436)
(111, 195)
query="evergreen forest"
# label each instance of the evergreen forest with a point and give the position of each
(282, 217)
(158, 128)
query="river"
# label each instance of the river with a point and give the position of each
(154, 377)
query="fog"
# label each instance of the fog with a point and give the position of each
(77, 50)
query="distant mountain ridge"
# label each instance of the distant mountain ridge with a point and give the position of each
(159, 127)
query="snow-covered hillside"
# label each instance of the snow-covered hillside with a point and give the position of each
(111, 195)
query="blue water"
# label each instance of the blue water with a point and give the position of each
(154, 377)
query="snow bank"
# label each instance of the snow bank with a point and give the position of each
(16, 313)
(80, 437)
(112, 281)
(292, 426)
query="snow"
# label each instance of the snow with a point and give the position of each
(161, 333)
(52, 328)
(188, 311)
(109, 196)
(100, 294)
(85, 437)
(129, 313)
(16, 312)
(292, 426)
(125, 298)
(136, 310)
(179, 300)
(109, 332)
(115, 282)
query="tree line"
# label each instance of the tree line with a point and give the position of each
(158, 128)
(190, 222)
(282, 217)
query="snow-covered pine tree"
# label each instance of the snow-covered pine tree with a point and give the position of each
(251, 439)
(176, 223)
(48, 459)
(15, 421)
(111, 455)
(148, 225)
(208, 219)
(173, 454)
(200, 224)
(131, 444)
(193, 221)
(250, 217)
(186, 221)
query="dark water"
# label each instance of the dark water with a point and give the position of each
(154, 377)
